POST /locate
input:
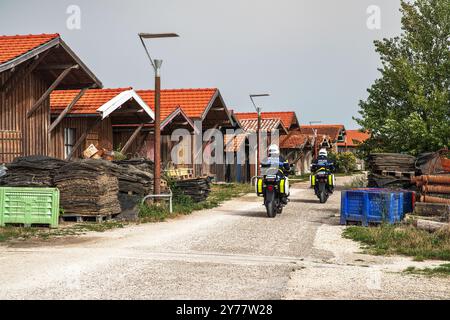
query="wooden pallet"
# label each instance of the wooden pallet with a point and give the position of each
(85, 218)
(398, 174)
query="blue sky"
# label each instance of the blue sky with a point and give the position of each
(314, 57)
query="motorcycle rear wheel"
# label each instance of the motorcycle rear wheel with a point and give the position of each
(323, 196)
(271, 209)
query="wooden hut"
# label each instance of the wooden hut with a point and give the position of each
(97, 118)
(205, 106)
(31, 67)
(241, 142)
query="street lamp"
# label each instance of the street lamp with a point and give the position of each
(258, 128)
(315, 136)
(157, 68)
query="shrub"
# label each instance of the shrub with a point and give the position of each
(345, 162)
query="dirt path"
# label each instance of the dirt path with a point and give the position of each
(232, 252)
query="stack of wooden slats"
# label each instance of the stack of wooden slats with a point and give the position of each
(390, 170)
(198, 189)
(32, 171)
(87, 189)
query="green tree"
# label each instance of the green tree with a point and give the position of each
(408, 107)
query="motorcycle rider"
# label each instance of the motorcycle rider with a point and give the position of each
(322, 162)
(275, 160)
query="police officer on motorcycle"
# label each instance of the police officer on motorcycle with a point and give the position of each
(322, 162)
(275, 160)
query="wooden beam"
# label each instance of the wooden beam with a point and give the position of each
(15, 79)
(67, 110)
(82, 138)
(55, 67)
(50, 89)
(132, 138)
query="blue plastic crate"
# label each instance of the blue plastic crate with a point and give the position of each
(371, 206)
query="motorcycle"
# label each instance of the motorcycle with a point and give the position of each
(323, 183)
(275, 190)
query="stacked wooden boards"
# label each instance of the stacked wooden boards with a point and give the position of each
(390, 170)
(33, 171)
(198, 189)
(87, 189)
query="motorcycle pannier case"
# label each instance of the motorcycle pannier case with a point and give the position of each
(284, 186)
(259, 186)
(312, 179)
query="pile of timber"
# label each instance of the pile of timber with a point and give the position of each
(198, 189)
(434, 188)
(32, 171)
(87, 189)
(390, 170)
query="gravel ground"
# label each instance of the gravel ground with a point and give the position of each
(232, 252)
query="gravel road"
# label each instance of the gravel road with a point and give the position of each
(231, 252)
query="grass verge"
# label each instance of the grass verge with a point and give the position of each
(404, 240)
(184, 205)
(441, 271)
(19, 233)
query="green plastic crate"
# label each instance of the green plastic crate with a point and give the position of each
(29, 206)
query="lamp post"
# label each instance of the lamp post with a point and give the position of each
(315, 136)
(157, 140)
(258, 128)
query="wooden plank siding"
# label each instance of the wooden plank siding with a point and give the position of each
(101, 136)
(13, 109)
(138, 148)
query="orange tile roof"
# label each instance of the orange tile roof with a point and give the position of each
(287, 117)
(331, 130)
(354, 138)
(12, 47)
(294, 140)
(192, 101)
(88, 104)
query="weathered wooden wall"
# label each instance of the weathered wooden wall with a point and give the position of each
(139, 148)
(101, 136)
(13, 110)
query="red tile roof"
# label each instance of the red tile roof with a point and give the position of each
(88, 104)
(287, 117)
(331, 130)
(12, 47)
(193, 102)
(294, 140)
(354, 138)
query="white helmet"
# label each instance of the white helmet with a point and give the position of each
(274, 150)
(323, 152)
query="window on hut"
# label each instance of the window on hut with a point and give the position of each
(69, 140)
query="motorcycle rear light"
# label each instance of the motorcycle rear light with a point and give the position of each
(270, 188)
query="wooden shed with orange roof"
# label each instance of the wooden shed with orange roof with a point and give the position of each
(288, 118)
(352, 140)
(206, 108)
(336, 132)
(31, 67)
(94, 118)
